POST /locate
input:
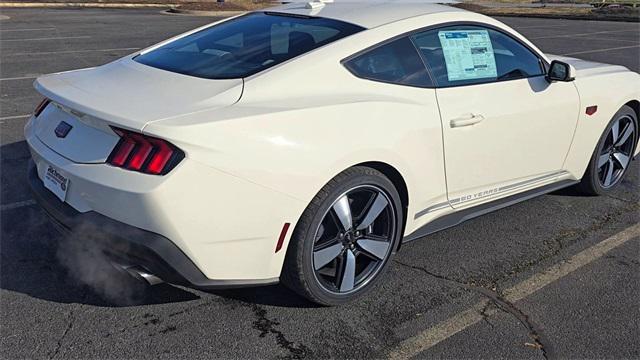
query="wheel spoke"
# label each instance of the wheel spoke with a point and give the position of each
(615, 131)
(603, 160)
(321, 245)
(374, 247)
(343, 211)
(379, 204)
(622, 159)
(608, 179)
(626, 133)
(348, 279)
(326, 255)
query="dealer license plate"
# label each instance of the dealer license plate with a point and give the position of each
(56, 182)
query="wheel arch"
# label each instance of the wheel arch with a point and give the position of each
(398, 181)
(635, 105)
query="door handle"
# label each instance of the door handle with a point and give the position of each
(467, 120)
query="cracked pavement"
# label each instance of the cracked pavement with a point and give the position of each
(590, 313)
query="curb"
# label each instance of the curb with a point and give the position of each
(172, 8)
(81, 5)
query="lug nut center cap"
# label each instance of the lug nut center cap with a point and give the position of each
(349, 237)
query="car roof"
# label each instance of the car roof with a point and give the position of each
(368, 14)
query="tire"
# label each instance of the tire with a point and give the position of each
(594, 182)
(331, 260)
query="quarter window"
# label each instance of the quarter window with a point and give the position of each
(466, 55)
(397, 62)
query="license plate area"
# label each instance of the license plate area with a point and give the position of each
(56, 182)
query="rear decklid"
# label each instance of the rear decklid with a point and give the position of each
(123, 94)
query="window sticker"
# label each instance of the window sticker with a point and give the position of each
(468, 54)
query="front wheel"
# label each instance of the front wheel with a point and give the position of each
(612, 157)
(345, 238)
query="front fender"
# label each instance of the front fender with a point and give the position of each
(609, 92)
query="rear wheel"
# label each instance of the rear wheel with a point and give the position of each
(345, 238)
(612, 157)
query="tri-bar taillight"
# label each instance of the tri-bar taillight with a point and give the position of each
(40, 108)
(145, 154)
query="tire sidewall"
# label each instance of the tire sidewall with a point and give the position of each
(593, 166)
(308, 234)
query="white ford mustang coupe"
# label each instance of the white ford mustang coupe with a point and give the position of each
(305, 143)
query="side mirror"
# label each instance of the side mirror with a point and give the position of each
(561, 71)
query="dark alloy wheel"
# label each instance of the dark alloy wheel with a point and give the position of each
(345, 238)
(354, 239)
(613, 155)
(616, 151)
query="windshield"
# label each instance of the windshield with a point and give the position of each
(246, 45)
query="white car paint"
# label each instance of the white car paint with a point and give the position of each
(259, 149)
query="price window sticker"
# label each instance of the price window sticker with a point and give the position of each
(468, 54)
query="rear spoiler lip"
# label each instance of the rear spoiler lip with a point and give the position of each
(45, 84)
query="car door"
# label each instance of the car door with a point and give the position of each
(505, 128)
(398, 92)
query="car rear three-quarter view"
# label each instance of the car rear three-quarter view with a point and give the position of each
(305, 143)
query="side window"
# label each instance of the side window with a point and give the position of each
(466, 55)
(397, 62)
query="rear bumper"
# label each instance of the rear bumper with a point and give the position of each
(127, 244)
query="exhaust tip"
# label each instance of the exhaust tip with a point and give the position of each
(149, 278)
(139, 274)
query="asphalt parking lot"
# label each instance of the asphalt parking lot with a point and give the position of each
(554, 277)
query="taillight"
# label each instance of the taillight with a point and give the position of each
(146, 154)
(40, 108)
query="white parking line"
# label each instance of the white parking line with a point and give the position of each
(542, 26)
(69, 51)
(601, 50)
(38, 29)
(19, 78)
(17, 205)
(47, 38)
(461, 321)
(14, 117)
(606, 39)
(581, 34)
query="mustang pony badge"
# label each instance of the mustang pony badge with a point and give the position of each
(62, 130)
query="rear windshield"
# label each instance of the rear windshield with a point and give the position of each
(246, 45)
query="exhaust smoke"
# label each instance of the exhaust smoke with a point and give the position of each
(88, 265)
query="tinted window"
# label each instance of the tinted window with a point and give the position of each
(464, 55)
(397, 62)
(246, 45)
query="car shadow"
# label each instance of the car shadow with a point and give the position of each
(272, 295)
(570, 191)
(29, 264)
(33, 262)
